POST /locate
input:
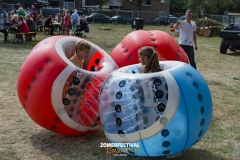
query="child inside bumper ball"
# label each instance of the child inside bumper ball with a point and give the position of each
(163, 106)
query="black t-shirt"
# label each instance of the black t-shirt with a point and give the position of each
(48, 22)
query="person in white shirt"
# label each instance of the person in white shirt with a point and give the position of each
(187, 36)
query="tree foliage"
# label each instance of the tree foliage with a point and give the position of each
(208, 6)
(177, 6)
(234, 6)
(136, 3)
(215, 6)
(195, 5)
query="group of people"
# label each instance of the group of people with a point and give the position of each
(29, 19)
(147, 55)
(17, 24)
(66, 21)
(7, 16)
(21, 21)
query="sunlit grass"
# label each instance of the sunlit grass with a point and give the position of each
(21, 138)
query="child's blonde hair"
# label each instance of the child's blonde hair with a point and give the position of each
(14, 17)
(83, 45)
(28, 16)
(153, 63)
(20, 9)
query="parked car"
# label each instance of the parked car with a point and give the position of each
(47, 11)
(171, 15)
(173, 20)
(158, 21)
(182, 17)
(82, 12)
(121, 19)
(98, 18)
(231, 34)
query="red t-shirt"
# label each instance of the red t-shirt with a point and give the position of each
(23, 27)
(35, 16)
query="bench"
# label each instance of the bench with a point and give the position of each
(47, 30)
(28, 35)
(33, 35)
(64, 31)
(40, 27)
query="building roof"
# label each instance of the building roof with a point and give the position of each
(234, 14)
(36, 3)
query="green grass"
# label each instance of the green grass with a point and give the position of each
(21, 138)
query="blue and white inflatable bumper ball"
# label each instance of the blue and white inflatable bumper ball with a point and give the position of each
(164, 112)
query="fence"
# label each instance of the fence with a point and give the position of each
(9, 7)
(134, 14)
(150, 16)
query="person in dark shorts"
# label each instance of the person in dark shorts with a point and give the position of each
(49, 24)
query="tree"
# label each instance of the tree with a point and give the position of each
(177, 6)
(234, 6)
(208, 6)
(215, 6)
(96, 2)
(195, 5)
(137, 3)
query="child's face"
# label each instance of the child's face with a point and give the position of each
(82, 54)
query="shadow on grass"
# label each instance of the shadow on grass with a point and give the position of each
(223, 86)
(56, 146)
(237, 54)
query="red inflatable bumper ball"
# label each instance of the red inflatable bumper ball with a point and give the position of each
(58, 95)
(163, 43)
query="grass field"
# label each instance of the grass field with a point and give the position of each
(22, 139)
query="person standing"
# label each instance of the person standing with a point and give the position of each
(2, 28)
(75, 20)
(66, 22)
(31, 10)
(187, 36)
(28, 11)
(5, 15)
(35, 16)
(21, 12)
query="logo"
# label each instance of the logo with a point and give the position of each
(120, 149)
